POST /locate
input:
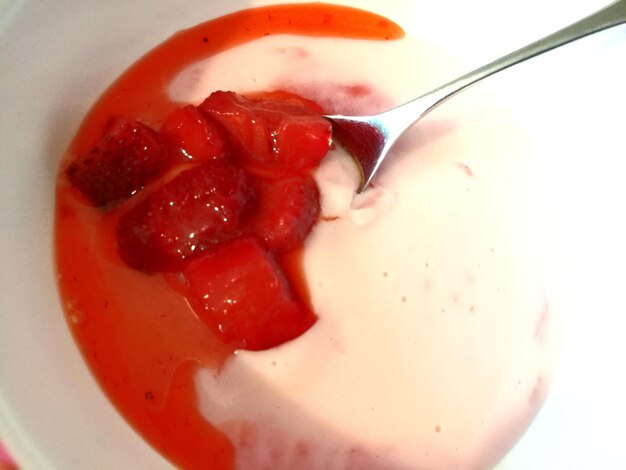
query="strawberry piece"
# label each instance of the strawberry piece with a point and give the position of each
(196, 135)
(200, 207)
(287, 209)
(287, 96)
(273, 137)
(127, 157)
(241, 293)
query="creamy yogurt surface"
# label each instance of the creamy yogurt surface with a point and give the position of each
(438, 317)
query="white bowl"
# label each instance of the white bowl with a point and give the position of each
(57, 57)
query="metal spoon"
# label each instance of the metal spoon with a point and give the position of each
(369, 138)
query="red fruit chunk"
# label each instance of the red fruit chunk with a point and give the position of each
(198, 208)
(128, 156)
(287, 96)
(273, 137)
(241, 293)
(196, 135)
(287, 209)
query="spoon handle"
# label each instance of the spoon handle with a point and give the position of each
(612, 15)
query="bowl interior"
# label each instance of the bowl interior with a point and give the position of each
(56, 63)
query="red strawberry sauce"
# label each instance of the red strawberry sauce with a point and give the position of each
(139, 336)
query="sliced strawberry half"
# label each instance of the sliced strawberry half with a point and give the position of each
(286, 211)
(273, 137)
(127, 157)
(196, 136)
(241, 293)
(200, 207)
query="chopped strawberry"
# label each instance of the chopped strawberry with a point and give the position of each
(273, 137)
(241, 293)
(200, 207)
(286, 212)
(128, 156)
(196, 135)
(287, 96)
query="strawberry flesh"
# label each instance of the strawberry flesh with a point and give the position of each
(195, 135)
(241, 293)
(288, 97)
(286, 211)
(128, 156)
(273, 137)
(199, 208)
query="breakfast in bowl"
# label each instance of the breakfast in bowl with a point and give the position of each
(242, 307)
(350, 258)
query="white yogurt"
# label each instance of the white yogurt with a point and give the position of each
(437, 321)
